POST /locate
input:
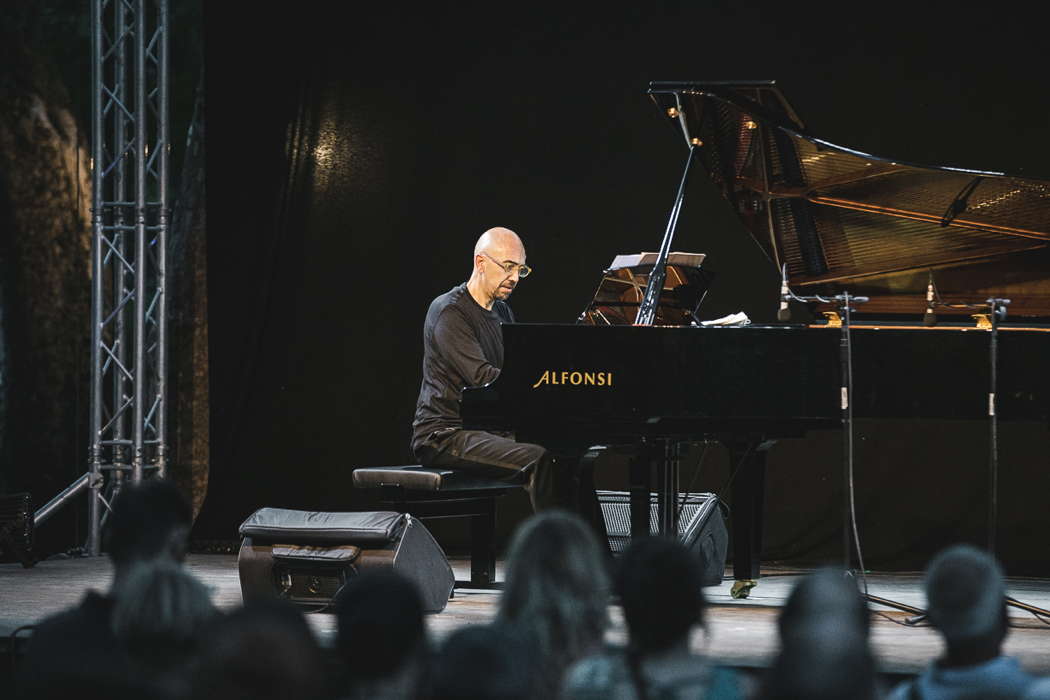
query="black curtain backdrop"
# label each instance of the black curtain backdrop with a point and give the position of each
(356, 153)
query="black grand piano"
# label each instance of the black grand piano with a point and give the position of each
(916, 241)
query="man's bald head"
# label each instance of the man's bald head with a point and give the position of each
(499, 239)
(499, 258)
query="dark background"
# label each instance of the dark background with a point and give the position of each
(355, 154)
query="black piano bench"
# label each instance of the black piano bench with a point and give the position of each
(429, 493)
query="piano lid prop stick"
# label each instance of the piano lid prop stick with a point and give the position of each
(647, 307)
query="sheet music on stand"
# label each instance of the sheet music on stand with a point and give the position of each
(622, 288)
(737, 319)
(637, 259)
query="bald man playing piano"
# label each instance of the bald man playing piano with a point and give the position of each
(463, 346)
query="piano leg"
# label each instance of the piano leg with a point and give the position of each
(639, 485)
(664, 454)
(667, 488)
(748, 494)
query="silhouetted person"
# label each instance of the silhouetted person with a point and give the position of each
(556, 591)
(824, 649)
(966, 603)
(77, 649)
(381, 641)
(491, 662)
(659, 583)
(158, 619)
(263, 650)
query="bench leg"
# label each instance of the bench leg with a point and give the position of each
(483, 545)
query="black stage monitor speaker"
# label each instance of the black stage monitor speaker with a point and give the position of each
(701, 527)
(306, 557)
(16, 529)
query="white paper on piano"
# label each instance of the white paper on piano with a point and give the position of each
(737, 319)
(634, 259)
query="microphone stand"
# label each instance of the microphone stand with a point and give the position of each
(997, 309)
(997, 313)
(844, 301)
(845, 396)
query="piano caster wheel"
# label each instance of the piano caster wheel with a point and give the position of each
(742, 588)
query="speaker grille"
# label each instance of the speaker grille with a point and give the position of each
(616, 512)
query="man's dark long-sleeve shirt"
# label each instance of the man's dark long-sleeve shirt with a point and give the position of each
(462, 346)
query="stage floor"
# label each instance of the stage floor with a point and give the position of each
(743, 632)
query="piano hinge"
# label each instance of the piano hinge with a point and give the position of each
(984, 321)
(833, 318)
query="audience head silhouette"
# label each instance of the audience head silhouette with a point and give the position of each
(824, 649)
(965, 593)
(262, 650)
(161, 605)
(150, 519)
(825, 592)
(556, 589)
(966, 603)
(158, 618)
(659, 582)
(126, 642)
(380, 629)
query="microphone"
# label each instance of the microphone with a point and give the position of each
(784, 314)
(999, 307)
(929, 318)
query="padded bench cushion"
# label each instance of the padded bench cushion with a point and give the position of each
(418, 478)
(310, 527)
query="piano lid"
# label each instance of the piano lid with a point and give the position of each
(833, 214)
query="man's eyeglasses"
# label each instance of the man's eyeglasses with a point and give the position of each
(508, 267)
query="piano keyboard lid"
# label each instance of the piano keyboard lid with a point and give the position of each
(835, 215)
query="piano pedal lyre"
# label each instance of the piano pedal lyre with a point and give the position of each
(742, 588)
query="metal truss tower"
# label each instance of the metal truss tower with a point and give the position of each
(130, 220)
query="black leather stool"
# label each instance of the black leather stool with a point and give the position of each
(445, 493)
